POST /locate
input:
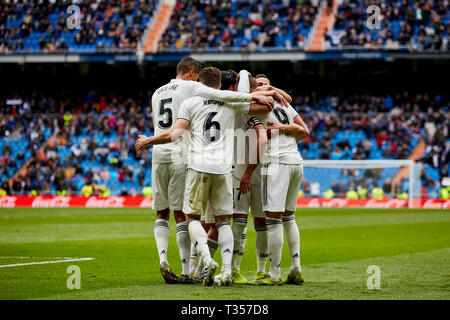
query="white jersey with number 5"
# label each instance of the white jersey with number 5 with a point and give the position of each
(166, 102)
(212, 133)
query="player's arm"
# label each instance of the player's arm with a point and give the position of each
(297, 129)
(286, 96)
(305, 131)
(259, 149)
(256, 108)
(273, 93)
(200, 89)
(251, 108)
(175, 132)
(228, 96)
(283, 93)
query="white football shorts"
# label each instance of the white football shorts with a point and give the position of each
(280, 186)
(202, 187)
(208, 217)
(251, 200)
(168, 180)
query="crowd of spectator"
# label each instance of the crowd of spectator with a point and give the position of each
(100, 129)
(393, 124)
(392, 120)
(75, 126)
(417, 25)
(213, 25)
(46, 25)
(248, 24)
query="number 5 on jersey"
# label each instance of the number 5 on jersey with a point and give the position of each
(165, 114)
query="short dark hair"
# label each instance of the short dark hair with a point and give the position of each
(261, 75)
(229, 78)
(211, 77)
(188, 64)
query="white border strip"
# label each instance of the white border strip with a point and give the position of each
(45, 262)
(249, 56)
(38, 58)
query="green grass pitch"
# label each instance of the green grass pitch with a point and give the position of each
(411, 248)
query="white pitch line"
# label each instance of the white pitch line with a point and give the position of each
(19, 257)
(44, 262)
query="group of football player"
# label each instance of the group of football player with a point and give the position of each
(225, 143)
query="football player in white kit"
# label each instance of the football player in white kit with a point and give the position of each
(282, 173)
(228, 82)
(168, 163)
(246, 160)
(242, 82)
(244, 153)
(208, 180)
(247, 183)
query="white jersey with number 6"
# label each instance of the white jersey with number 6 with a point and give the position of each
(212, 133)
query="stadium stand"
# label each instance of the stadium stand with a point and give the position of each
(31, 26)
(254, 25)
(404, 25)
(92, 141)
(235, 25)
(92, 144)
(377, 127)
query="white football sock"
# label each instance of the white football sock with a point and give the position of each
(193, 261)
(212, 245)
(161, 231)
(184, 244)
(241, 249)
(199, 237)
(226, 244)
(275, 240)
(262, 248)
(293, 241)
(238, 228)
(199, 270)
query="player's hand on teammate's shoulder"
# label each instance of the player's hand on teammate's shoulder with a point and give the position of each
(140, 142)
(271, 102)
(274, 93)
(263, 100)
(281, 99)
(265, 87)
